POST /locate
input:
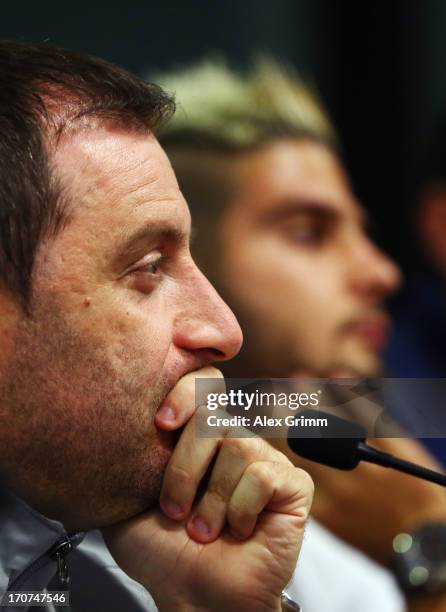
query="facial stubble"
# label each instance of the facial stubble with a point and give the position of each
(80, 445)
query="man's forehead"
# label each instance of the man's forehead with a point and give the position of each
(119, 188)
(108, 161)
(291, 175)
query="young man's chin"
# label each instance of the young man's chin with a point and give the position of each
(364, 364)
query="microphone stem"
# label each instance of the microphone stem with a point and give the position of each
(373, 455)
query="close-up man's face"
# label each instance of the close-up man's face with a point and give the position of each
(119, 313)
(295, 264)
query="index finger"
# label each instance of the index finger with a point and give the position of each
(180, 404)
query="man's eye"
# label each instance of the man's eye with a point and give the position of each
(147, 275)
(311, 234)
(150, 268)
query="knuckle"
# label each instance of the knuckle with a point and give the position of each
(223, 485)
(305, 480)
(308, 480)
(260, 471)
(216, 495)
(249, 449)
(237, 448)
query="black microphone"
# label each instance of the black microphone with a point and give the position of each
(346, 447)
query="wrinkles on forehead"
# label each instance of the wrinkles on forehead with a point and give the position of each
(102, 166)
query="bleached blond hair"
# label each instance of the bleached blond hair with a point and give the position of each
(222, 113)
(220, 108)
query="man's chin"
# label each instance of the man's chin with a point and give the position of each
(361, 363)
(135, 489)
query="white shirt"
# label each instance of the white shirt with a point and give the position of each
(331, 576)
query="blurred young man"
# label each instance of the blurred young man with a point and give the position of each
(281, 234)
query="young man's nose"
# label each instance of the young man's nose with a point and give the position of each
(375, 275)
(206, 323)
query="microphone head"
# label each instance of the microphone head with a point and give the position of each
(335, 444)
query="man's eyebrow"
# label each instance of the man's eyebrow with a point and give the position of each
(291, 209)
(151, 233)
(320, 210)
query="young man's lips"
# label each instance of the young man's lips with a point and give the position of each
(373, 331)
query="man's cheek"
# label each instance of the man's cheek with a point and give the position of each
(134, 339)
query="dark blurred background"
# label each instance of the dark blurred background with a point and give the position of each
(378, 65)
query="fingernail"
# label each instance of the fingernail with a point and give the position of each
(171, 507)
(200, 527)
(166, 413)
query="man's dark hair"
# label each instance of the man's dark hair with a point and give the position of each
(42, 90)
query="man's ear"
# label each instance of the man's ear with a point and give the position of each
(431, 224)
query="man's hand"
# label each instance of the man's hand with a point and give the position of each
(233, 546)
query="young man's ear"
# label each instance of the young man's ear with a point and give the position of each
(431, 224)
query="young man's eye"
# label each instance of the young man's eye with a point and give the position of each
(309, 234)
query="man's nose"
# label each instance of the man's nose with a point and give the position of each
(374, 275)
(206, 324)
